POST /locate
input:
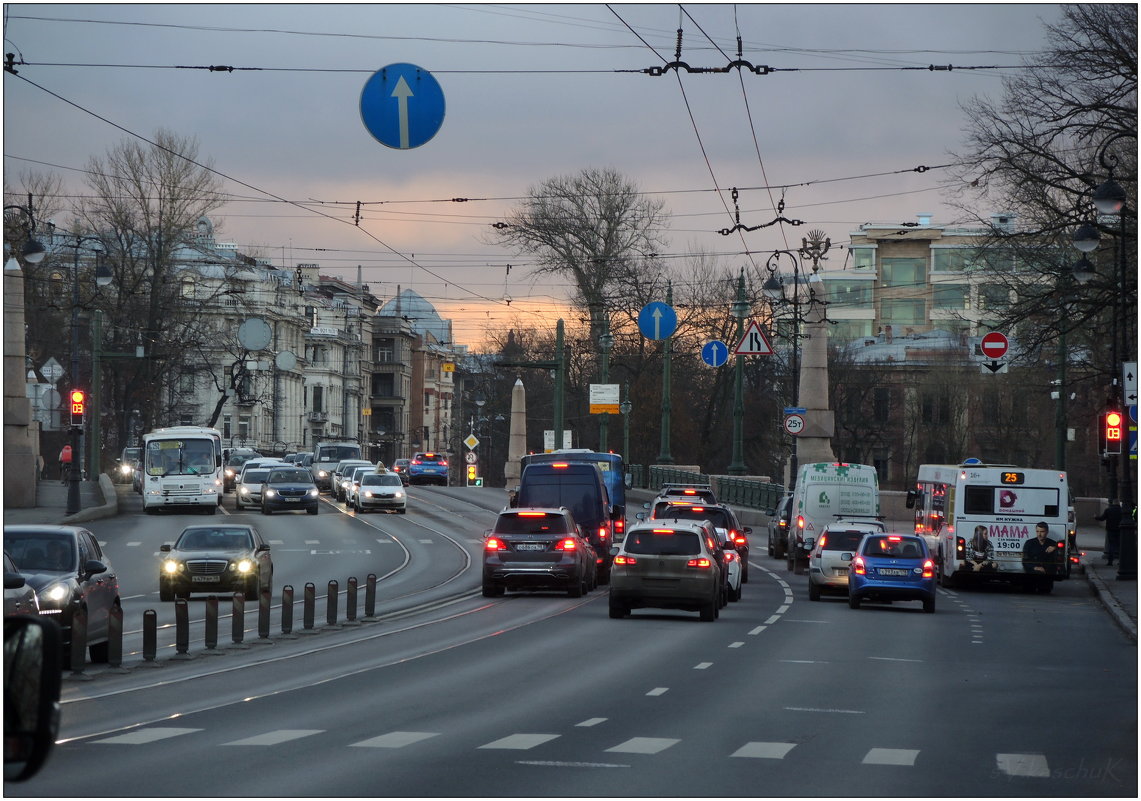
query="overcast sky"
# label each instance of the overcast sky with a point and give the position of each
(532, 92)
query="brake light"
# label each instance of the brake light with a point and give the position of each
(559, 465)
(960, 548)
(697, 508)
(894, 538)
(619, 527)
(928, 568)
(663, 531)
(442, 462)
(730, 556)
(800, 521)
(565, 545)
(625, 560)
(603, 532)
(689, 492)
(495, 544)
(701, 563)
(532, 514)
(416, 461)
(823, 539)
(858, 566)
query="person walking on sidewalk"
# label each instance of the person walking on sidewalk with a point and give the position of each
(1112, 518)
(64, 464)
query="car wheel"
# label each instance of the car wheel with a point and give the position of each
(213, 509)
(853, 601)
(265, 510)
(165, 591)
(772, 550)
(238, 503)
(403, 510)
(744, 571)
(618, 610)
(929, 605)
(313, 509)
(734, 594)
(492, 591)
(813, 591)
(709, 612)
(789, 559)
(577, 589)
(724, 596)
(947, 581)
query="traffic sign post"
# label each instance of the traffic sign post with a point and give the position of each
(715, 353)
(794, 424)
(402, 106)
(754, 342)
(657, 320)
(994, 346)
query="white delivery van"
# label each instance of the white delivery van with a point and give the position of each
(826, 492)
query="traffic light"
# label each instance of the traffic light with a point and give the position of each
(472, 472)
(1113, 428)
(78, 406)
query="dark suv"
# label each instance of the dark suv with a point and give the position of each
(577, 486)
(537, 548)
(720, 515)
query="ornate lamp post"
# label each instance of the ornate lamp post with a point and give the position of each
(740, 310)
(626, 407)
(605, 343)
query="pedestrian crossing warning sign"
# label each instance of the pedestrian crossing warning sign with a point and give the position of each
(754, 342)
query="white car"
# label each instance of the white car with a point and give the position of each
(733, 564)
(247, 487)
(352, 482)
(381, 491)
(831, 555)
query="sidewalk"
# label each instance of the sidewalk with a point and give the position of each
(51, 504)
(1118, 597)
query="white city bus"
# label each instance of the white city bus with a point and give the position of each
(950, 501)
(182, 467)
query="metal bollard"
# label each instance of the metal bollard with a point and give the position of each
(212, 625)
(331, 599)
(115, 640)
(308, 608)
(150, 638)
(351, 602)
(181, 629)
(264, 600)
(370, 597)
(238, 621)
(287, 612)
(78, 649)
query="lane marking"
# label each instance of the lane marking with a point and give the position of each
(144, 736)
(893, 659)
(736, 644)
(568, 764)
(758, 630)
(782, 609)
(395, 739)
(703, 665)
(643, 745)
(133, 544)
(764, 750)
(591, 722)
(890, 756)
(276, 737)
(520, 742)
(813, 709)
(1032, 765)
(658, 691)
(772, 620)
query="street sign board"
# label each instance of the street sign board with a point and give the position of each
(402, 106)
(994, 345)
(657, 320)
(604, 398)
(549, 439)
(471, 441)
(470, 457)
(794, 424)
(1129, 382)
(795, 410)
(754, 342)
(715, 353)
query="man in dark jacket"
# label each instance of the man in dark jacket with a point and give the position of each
(1038, 554)
(1112, 518)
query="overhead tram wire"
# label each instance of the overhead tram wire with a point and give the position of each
(238, 181)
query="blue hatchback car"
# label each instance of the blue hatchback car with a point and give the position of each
(428, 468)
(892, 567)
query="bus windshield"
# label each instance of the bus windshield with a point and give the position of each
(180, 457)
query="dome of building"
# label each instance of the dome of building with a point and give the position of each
(419, 313)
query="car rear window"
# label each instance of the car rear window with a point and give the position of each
(536, 523)
(687, 512)
(902, 548)
(841, 540)
(661, 542)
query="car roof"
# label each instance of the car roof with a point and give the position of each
(669, 522)
(32, 528)
(246, 526)
(867, 528)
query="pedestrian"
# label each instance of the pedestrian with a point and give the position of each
(1112, 518)
(64, 464)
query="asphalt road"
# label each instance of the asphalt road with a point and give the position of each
(1000, 693)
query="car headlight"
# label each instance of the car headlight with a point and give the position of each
(55, 593)
(171, 566)
(245, 565)
(314, 492)
(230, 473)
(269, 493)
(322, 474)
(244, 490)
(398, 494)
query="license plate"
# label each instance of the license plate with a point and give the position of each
(894, 571)
(531, 546)
(291, 500)
(206, 579)
(840, 571)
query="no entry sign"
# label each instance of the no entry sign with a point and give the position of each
(994, 345)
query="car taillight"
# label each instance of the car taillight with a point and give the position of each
(603, 532)
(823, 540)
(928, 569)
(894, 538)
(619, 527)
(730, 556)
(442, 463)
(625, 560)
(701, 563)
(858, 566)
(737, 537)
(565, 545)
(416, 461)
(960, 547)
(495, 544)
(800, 521)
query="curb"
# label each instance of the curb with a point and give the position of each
(1107, 599)
(108, 509)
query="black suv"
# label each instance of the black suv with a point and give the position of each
(537, 548)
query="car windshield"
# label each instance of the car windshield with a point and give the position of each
(380, 480)
(537, 523)
(36, 551)
(289, 476)
(337, 453)
(254, 476)
(663, 543)
(841, 540)
(896, 547)
(215, 539)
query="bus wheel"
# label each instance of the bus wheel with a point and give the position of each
(947, 581)
(1045, 586)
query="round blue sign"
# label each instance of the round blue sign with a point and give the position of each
(657, 320)
(715, 353)
(402, 106)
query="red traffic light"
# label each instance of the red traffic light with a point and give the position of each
(1112, 431)
(78, 406)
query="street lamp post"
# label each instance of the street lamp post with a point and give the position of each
(626, 407)
(605, 343)
(1110, 199)
(76, 431)
(737, 466)
(774, 289)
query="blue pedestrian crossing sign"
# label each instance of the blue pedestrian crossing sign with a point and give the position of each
(754, 342)
(402, 106)
(657, 320)
(715, 353)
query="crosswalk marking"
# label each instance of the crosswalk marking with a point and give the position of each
(133, 544)
(703, 665)
(890, 756)
(395, 739)
(276, 737)
(643, 745)
(591, 722)
(520, 742)
(764, 750)
(658, 691)
(1033, 765)
(144, 736)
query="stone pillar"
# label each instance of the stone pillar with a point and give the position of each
(517, 438)
(21, 440)
(815, 442)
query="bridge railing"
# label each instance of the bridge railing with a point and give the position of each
(734, 490)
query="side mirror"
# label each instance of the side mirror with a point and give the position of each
(14, 581)
(748, 531)
(809, 542)
(486, 533)
(614, 549)
(32, 673)
(646, 505)
(771, 512)
(263, 547)
(641, 515)
(164, 548)
(93, 567)
(845, 557)
(912, 496)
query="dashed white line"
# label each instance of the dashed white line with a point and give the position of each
(148, 735)
(658, 691)
(782, 609)
(893, 659)
(703, 665)
(395, 739)
(591, 722)
(764, 750)
(520, 742)
(1033, 765)
(772, 620)
(814, 709)
(736, 644)
(890, 756)
(643, 745)
(276, 737)
(758, 630)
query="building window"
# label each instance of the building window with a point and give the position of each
(850, 329)
(994, 296)
(864, 258)
(902, 312)
(318, 398)
(186, 382)
(903, 272)
(934, 410)
(186, 421)
(243, 427)
(881, 403)
(227, 427)
(851, 294)
(186, 288)
(952, 260)
(952, 296)
(383, 385)
(427, 401)
(385, 350)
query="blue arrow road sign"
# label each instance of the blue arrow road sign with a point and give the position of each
(657, 320)
(402, 106)
(715, 353)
